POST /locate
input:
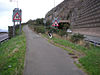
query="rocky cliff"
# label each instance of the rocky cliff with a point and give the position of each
(84, 15)
(62, 11)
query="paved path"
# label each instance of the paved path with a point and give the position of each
(43, 58)
(3, 36)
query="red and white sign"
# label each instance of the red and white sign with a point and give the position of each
(17, 17)
(55, 23)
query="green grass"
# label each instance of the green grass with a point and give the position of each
(12, 54)
(90, 62)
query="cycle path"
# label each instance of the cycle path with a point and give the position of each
(43, 58)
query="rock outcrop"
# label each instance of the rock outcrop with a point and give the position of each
(62, 11)
(84, 15)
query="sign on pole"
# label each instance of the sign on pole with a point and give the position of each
(17, 14)
(55, 22)
(17, 17)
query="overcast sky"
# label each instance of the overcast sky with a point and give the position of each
(31, 9)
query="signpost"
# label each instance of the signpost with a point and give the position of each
(17, 17)
(55, 22)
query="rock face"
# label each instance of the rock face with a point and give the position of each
(62, 11)
(84, 15)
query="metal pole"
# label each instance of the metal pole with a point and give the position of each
(20, 28)
(17, 3)
(14, 29)
(54, 3)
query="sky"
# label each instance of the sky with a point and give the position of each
(31, 9)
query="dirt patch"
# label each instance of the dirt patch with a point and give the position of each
(15, 50)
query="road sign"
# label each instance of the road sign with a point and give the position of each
(17, 15)
(55, 23)
(55, 19)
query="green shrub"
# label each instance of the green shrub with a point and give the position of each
(39, 29)
(62, 33)
(57, 31)
(77, 37)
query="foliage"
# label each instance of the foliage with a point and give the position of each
(64, 26)
(52, 30)
(37, 22)
(37, 25)
(12, 54)
(77, 37)
(62, 33)
(39, 29)
(57, 31)
(30, 22)
(48, 23)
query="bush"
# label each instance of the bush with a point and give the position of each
(57, 31)
(77, 37)
(39, 29)
(62, 33)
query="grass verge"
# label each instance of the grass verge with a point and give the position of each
(12, 54)
(90, 62)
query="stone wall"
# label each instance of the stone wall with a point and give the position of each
(85, 17)
(10, 31)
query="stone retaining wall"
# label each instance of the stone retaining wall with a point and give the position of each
(85, 17)
(10, 31)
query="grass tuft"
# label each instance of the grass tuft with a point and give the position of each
(12, 54)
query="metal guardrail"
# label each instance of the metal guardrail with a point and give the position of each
(3, 37)
(96, 43)
(93, 39)
(3, 40)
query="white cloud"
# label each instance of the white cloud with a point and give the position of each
(31, 9)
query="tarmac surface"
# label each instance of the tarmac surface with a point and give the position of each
(3, 36)
(43, 58)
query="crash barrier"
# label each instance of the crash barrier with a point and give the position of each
(5, 39)
(96, 43)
